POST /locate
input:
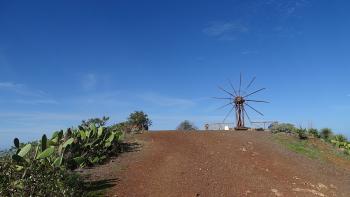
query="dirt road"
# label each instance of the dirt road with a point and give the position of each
(221, 164)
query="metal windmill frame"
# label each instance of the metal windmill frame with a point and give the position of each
(238, 101)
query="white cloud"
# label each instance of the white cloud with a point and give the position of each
(225, 30)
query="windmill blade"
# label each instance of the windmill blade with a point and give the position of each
(246, 113)
(257, 101)
(254, 109)
(228, 113)
(233, 88)
(225, 91)
(251, 82)
(222, 98)
(240, 84)
(224, 105)
(254, 92)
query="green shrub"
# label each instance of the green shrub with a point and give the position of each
(38, 179)
(339, 138)
(326, 133)
(186, 126)
(302, 133)
(122, 126)
(283, 127)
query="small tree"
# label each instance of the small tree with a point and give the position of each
(326, 133)
(98, 122)
(139, 120)
(186, 126)
(313, 132)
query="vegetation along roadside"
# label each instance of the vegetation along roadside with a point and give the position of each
(47, 166)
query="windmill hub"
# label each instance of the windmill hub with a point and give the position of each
(239, 100)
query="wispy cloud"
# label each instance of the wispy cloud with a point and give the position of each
(25, 94)
(225, 30)
(89, 81)
(107, 98)
(165, 101)
(33, 116)
(9, 85)
(249, 52)
(36, 101)
(287, 8)
(287, 31)
(20, 89)
(31, 125)
(340, 107)
(286, 12)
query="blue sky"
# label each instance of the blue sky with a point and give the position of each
(64, 61)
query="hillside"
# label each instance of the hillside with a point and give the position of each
(222, 164)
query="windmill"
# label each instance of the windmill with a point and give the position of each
(238, 100)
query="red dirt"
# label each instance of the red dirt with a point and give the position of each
(220, 164)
